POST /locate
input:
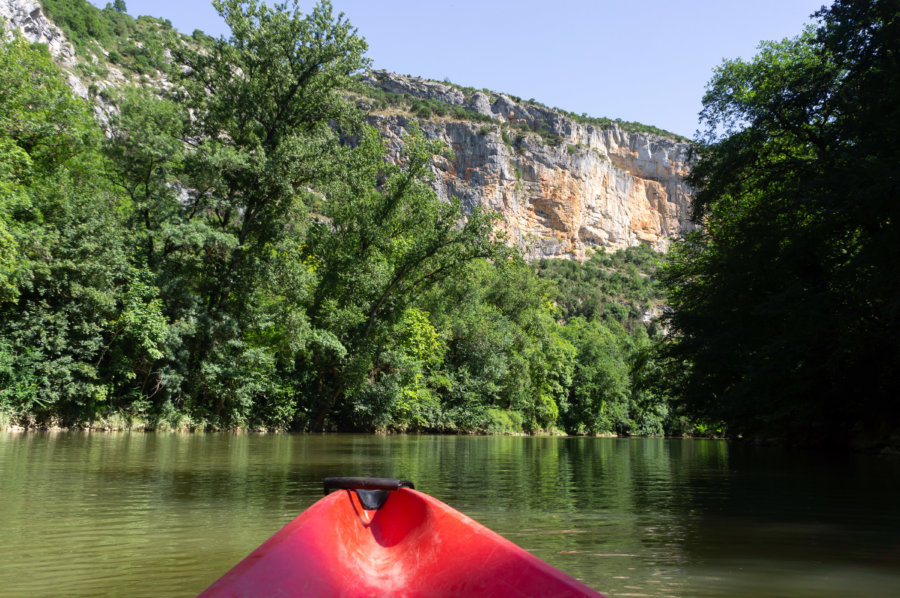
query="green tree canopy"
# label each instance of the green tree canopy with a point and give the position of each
(242, 250)
(785, 304)
(81, 321)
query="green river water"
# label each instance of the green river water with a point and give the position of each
(133, 514)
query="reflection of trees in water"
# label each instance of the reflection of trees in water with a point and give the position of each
(614, 512)
(798, 510)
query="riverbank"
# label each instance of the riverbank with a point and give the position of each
(184, 425)
(188, 429)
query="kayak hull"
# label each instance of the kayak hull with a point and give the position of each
(415, 545)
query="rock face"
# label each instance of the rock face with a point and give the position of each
(575, 188)
(27, 17)
(562, 187)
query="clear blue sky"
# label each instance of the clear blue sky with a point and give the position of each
(647, 61)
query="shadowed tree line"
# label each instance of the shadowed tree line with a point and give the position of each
(786, 302)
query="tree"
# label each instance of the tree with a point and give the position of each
(290, 254)
(507, 366)
(227, 252)
(599, 395)
(79, 318)
(785, 304)
(382, 241)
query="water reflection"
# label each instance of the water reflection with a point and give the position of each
(149, 514)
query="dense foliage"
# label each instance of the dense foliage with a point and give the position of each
(110, 36)
(226, 258)
(609, 307)
(616, 287)
(786, 305)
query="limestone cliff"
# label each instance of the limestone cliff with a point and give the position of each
(563, 187)
(28, 19)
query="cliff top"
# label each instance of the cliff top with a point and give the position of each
(113, 48)
(427, 97)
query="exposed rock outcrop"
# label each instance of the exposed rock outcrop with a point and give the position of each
(27, 17)
(576, 187)
(563, 187)
(91, 74)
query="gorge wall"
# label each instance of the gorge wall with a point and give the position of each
(27, 17)
(563, 187)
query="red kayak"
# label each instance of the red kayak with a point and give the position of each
(379, 537)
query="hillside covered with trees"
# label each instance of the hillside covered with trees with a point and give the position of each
(235, 250)
(225, 258)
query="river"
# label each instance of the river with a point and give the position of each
(88, 514)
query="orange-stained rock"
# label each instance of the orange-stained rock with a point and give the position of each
(597, 189)
(594, 188)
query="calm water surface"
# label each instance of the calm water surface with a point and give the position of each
(90, 514)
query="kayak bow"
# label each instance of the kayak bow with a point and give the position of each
(379, 537)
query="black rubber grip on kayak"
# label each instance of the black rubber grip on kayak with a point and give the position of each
(366, 484)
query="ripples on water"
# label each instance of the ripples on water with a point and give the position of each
(165, 515)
